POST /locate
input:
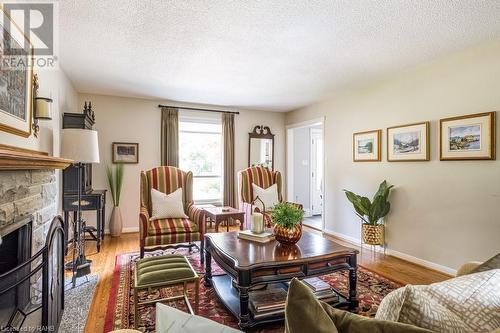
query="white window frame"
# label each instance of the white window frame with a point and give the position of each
(203, 117)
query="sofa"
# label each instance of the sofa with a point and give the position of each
(470, 302)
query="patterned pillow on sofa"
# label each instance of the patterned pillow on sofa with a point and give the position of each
(469, 303)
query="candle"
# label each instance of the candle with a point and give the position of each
(257, 223)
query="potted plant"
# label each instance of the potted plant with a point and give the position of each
(372, 212)
(287, 220)
(115, 180)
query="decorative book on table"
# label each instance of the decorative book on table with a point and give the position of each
(268, 300)
(264, 237)
(316, 284)
(322, 290)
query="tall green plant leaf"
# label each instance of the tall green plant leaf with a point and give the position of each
(115, 181)
(111, 183)
(119, 182)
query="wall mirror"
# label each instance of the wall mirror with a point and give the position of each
(261, 147)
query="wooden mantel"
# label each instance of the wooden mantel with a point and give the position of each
(14, 158)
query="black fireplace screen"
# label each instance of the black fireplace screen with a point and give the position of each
(32, 292)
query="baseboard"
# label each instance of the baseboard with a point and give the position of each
(397, 254)
(128, 230)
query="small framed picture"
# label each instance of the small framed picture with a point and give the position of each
(408, 142)
(367, 146)
(124, 152)
(470, 137)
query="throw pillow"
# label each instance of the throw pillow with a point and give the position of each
(303, 313)
(269, 196)
(172, 320)
(347, 322)
(492, 263)
(167, 205)
(469, 303)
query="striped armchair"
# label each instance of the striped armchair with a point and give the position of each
(163, 233)
(262, 177)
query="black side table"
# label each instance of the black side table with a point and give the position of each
(95, 200)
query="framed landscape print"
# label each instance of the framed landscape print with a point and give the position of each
(367, 146)
(408, 142)
(124, 152)
(470, 137)
(16, 76)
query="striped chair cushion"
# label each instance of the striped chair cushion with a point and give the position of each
(172, 226)
(162, 239)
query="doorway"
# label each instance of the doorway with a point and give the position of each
(305, 165)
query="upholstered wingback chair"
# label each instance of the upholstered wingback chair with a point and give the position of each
(262, 177)
(163, 233)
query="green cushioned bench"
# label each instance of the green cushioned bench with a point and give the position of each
(164, 271)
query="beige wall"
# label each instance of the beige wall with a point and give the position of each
(443, 213)
(121, 119)
(56, 85)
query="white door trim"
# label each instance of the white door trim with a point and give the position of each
(289, 159)
(312, 162)
(307, 123)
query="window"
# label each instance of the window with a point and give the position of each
(200, 151)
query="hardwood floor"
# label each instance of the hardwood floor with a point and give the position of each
(104, 262)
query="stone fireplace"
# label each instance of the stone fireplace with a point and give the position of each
(31, 241)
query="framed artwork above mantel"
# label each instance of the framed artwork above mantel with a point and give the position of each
(16, 84)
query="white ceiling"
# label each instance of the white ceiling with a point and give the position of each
(270, 55)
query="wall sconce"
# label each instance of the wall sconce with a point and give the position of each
(42, 107)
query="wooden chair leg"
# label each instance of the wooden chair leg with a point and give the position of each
(136, 311)
(202, 250)
(197, 296)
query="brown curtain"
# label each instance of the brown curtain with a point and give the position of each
(228, 142)
(170, 136)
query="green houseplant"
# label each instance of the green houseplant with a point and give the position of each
(115, 181)
(287, 220)
(372, 212)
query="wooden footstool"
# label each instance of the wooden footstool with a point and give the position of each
(165, 271)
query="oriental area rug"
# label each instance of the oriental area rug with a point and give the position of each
(371, 288)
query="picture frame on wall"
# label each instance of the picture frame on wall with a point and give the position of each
(367, 146)
(16, 81)
(408, 143)
(469, 137)
(125, 152)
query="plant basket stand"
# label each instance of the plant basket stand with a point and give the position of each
(373, 236)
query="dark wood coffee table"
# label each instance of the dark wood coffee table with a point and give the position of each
(250, 265)
(221, 214)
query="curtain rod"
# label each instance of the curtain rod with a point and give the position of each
(196, 109)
